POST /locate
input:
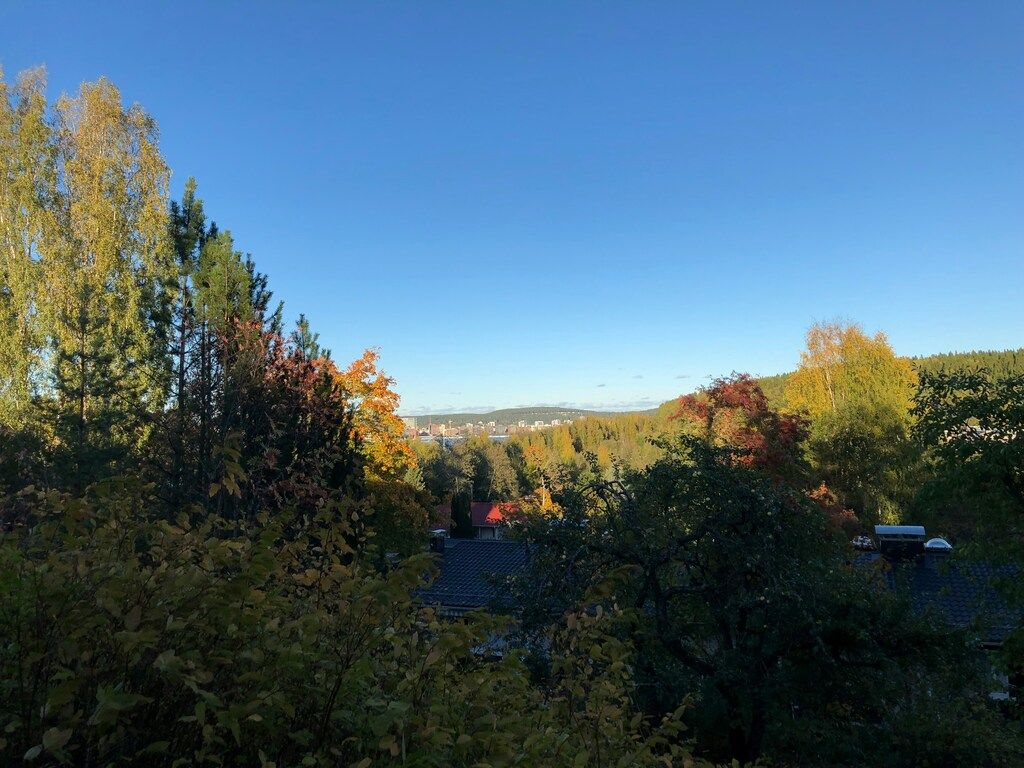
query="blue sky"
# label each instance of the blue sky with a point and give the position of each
(590, 203)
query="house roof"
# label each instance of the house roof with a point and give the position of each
(482, 514)
(962, 592)
(486, 513)
(470, 571)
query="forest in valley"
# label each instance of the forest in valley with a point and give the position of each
(213, 534)
(852, 411)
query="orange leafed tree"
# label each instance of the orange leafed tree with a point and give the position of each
(376, 415)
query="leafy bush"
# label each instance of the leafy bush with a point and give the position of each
(741, 607)
(126, 641)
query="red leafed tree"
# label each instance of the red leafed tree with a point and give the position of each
(734, 412)
(287, 427)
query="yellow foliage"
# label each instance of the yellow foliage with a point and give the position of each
(376, 415)
(843, 366)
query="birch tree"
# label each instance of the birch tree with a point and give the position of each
(27, 179)
(110, 275)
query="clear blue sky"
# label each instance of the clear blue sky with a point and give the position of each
(589, 203)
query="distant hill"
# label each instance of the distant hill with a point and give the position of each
(504, 416)
(1001, 363)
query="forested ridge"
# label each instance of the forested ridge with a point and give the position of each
(628, 440)
(213, 534)
(1009, 362)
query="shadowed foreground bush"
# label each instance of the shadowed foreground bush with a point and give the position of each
(129, 642)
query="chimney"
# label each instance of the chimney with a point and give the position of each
(900, 542)
(437, 537)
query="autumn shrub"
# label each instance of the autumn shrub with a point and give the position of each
(131, 640)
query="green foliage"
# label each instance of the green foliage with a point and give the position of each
(128, 642)
(995, 364)
(395, 514)
(857, 393)
(624, 440)
(739, 598)
(971, 424)
(27, 179)
(462, 522)
(223, 284)
(478, 466)
(445, 472)
(494, 476)
(508, 470)
(774, 388)
(866, 457)
(86, 272)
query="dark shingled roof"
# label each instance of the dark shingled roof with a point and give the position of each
(468, 570)
(963, 592)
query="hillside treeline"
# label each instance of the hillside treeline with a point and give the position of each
(998, 363)
(858, 451)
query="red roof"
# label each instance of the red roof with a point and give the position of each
(485, 513)
(482, 514)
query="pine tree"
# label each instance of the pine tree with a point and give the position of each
(177, 448)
